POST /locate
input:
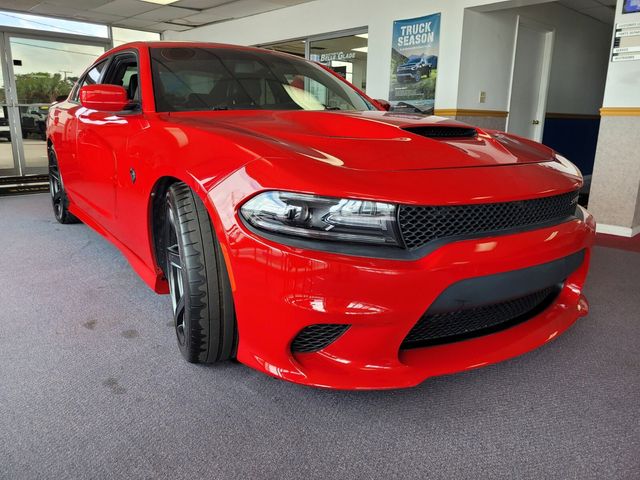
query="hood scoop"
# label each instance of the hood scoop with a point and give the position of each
(442, 131)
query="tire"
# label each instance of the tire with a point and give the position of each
(200, 290)
(59, 199)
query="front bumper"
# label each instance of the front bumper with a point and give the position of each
(279, 290)
(406, 75)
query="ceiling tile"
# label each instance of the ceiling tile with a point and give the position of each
(289, 3)
(165, 13)
(199, 4)
(161, 27)
(78, 5)
(126, 8)
(55, 10)
(243, 8)
(134, 23)
(203, 18)
(91, 16)
(20, 5)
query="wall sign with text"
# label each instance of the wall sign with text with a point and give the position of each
(626, 44)
(414, 62)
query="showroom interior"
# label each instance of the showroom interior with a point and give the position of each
(91, 384)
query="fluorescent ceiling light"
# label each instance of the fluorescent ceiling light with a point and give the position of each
(160, 2)
(361, 49)
(363, 35)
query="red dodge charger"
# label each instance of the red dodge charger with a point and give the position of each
(299, 227)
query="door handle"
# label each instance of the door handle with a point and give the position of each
(536, 122)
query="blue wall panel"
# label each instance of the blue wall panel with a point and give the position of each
(573, 137)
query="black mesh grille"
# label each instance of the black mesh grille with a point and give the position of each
(443, 132)
(420, 225)
(317, 337)
(472, 322)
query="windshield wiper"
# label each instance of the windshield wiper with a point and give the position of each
(331, 108)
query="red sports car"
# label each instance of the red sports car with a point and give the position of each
(304, 230)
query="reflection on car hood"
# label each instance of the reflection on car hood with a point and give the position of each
(373, 141)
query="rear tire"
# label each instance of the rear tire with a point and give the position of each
(59, 199)
(203, 310)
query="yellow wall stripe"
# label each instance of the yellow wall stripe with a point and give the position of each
(620, 111)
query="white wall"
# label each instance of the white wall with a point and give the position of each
(579, 63)
(325, 16)
(623, 78)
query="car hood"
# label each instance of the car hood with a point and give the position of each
(372, 141)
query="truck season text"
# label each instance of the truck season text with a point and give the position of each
(418, 34)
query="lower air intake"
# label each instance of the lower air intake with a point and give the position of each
(473, 322)
(316, 337)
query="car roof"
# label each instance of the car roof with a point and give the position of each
(187, 44)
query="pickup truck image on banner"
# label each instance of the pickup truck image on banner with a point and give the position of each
(414, 63)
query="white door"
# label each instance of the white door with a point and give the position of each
(529, 81)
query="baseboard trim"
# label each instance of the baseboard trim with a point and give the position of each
(617, 230)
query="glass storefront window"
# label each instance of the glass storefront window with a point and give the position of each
(49, 24)
(126, 35)
(44, 70)
(346, 55)
(293, 47)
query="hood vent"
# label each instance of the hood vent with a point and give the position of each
(437, 131)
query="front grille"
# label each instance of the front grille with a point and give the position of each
(420, 225)
(472, 322)
(437, 131)
(316, 337)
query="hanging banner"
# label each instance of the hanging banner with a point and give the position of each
(414, 63)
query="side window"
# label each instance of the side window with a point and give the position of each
(90, 78)
(124, 72)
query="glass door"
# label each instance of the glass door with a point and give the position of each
(8, 149)
(37, 71)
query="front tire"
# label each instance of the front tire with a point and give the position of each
(59, 199)
(200, 290)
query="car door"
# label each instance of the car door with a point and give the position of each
(64, 119)
(102, 142)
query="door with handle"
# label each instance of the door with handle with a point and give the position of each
(529, 81)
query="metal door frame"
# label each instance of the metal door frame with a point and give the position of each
(11, 95)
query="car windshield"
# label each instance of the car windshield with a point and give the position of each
(200, 79)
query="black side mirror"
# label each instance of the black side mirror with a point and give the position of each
(61, 98)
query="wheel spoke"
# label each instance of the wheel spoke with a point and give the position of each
(178, 317)
(173, 256)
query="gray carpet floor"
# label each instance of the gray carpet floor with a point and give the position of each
(92, 386)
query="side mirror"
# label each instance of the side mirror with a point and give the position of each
(108, 98)
(383, 104)
(61, 98)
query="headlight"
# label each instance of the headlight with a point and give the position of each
(323, 218)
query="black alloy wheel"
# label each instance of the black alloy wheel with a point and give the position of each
(199, 285)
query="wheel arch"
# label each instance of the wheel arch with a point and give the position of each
(155, 219)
